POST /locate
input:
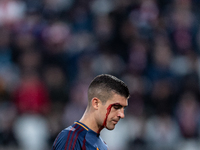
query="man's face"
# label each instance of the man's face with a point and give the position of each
(113, 111)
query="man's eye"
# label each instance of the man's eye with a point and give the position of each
(117, 106)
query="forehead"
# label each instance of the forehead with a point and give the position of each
(116, 98)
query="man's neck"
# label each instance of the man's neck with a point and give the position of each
(89, 120)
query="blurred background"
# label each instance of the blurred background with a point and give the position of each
(50, 50)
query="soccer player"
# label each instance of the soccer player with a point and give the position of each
(107, 98)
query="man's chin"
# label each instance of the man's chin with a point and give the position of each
(110, 128)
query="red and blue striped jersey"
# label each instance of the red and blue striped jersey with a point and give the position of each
(78, 137)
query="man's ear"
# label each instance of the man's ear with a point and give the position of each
(95, 103)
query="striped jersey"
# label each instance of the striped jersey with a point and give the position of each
(78, 137)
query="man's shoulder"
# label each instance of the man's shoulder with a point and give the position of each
(73, 130)
(70, 137)
(70, 128)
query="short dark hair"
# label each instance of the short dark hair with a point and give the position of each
(102, 87)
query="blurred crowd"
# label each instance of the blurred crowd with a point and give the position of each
(50, 50)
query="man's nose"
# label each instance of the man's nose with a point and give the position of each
(121, 113)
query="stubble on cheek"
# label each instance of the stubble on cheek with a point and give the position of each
(107, 113)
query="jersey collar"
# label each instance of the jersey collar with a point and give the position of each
(82, 125)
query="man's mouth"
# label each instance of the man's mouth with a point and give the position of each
(115, 122)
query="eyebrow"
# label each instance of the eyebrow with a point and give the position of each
(118, 104)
